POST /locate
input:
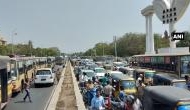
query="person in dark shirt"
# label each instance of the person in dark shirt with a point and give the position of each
(27, 89)
(187, 79)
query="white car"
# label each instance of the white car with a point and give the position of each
(44, 76)
(100, 72)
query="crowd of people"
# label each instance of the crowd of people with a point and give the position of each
(98, 94)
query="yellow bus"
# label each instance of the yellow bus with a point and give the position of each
(5, 80)
(23, 67)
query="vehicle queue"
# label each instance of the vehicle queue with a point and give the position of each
(135, 83)
(16, 69)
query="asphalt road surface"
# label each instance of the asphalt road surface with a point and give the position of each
(39, 96)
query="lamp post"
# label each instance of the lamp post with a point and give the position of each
(103, 49)
(115, 45)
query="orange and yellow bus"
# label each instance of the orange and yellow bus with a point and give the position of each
(22, 68)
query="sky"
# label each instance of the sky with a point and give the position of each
(76, 25)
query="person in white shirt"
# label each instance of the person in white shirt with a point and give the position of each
(83, 79)
(140, 78)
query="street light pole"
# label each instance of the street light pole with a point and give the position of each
(103, 49)
(12, 44)
(115, 47)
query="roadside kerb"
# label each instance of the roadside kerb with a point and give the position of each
(52, 102)
(78, 96)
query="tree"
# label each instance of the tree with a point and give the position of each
(127, 45)
(185, 42)
(3, 50)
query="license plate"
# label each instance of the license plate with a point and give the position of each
(43, 79)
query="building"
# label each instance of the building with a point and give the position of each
(2, 41)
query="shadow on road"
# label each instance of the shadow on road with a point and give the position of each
(21, 101)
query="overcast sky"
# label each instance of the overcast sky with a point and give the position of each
(76, 25)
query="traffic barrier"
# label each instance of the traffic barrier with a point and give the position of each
(52, 102)
(78, 96)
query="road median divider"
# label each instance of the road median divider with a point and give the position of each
(78, 96)
(52, 102)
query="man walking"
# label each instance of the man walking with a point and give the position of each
(27, 88)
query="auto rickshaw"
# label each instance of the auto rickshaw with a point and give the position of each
(125, 81)
(147, 75)
(169, 79)
(166, 98)
(127, 70)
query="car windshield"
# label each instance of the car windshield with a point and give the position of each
(180, 85)
(149, 74)
(99, 70)
(43, 72)
(119, 65)
(130, 72)
(90, 74)
(183, 107)
(129, 84)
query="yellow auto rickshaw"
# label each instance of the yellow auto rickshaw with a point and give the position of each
(125, 81)
(147, 75)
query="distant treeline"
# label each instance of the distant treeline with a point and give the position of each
(132, 44)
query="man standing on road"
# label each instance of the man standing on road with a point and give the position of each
(140, 78)
(27, 88)
(97, 102)
(187, 79)
(108, 89)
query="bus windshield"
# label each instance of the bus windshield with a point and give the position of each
(183, 107)
(129, 84)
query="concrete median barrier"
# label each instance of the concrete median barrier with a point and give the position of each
(54, 98)
(79, 100)
(51, 105)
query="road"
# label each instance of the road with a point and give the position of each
(39, 96)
